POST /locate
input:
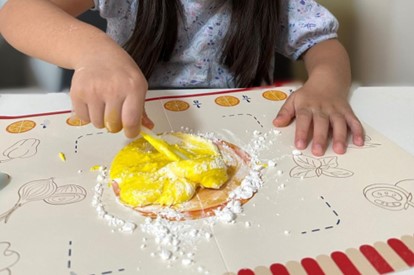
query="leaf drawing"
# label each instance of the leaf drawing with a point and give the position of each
(306, 162)
(46, 190)
(310, 167)
(300, 172)
(368, 143)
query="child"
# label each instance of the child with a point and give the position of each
(189, 44)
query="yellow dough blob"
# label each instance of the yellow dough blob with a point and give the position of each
(145, 176)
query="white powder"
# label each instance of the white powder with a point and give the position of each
(271, 163)
(296, 152)
(114, 222)
(176, 241)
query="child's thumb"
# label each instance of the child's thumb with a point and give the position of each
(285, 115)
(146, 121)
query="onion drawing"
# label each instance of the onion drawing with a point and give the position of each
(46, 190)
(67, 194)
(32, 191)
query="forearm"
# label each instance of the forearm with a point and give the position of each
(41, 29)
(328, 67)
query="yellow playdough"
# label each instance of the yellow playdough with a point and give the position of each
(145, 176)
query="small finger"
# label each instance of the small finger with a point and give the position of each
(303, 123)
(339, 133)
(285, 114)
(132, 110)
(357, 130)
(96, 114)
(320, 133)
(146, 121)
(112, 116)
(80, 111)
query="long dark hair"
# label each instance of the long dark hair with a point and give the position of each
(249, 43)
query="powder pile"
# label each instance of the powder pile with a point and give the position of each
(176, 241)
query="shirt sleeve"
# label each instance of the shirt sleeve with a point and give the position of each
(302, 24)
(120, 17)
(112, 8)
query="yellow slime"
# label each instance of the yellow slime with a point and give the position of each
(145, 176)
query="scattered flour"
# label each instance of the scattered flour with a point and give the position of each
(115, 222)
(296, 152)
(176, 241)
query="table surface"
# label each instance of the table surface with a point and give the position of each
(386, 109)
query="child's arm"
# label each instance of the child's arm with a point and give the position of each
(108, 88)
(321, 106)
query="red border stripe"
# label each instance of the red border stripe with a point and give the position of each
(279, 269)
(35, 115)
(377, 261)
(402, 250)
(245, 272)
(312, 267)
(344, 263)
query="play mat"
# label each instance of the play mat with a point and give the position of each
(335, 214)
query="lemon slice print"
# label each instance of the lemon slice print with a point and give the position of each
(176, 105)
(21, 126)
(227, 101)
(75, 121)
(274, 95)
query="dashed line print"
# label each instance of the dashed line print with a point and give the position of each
(338, 221)
(250, 115)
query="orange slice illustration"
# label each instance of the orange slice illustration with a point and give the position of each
(274, 95)
(75, 121)
(176, 105)
(21, 126)
(227, 101)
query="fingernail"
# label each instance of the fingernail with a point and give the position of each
(300, 144)
(113, 127)
(147, 122)
(74, 120)
(339, 148)
(317, 149)
(360, 141)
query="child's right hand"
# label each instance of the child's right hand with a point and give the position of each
(109, 90)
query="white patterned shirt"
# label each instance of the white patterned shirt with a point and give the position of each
(195, 62)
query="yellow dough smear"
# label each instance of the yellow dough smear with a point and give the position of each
(145, 176)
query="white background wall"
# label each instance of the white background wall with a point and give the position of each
(379, 36)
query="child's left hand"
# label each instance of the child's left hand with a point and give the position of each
(319, 114)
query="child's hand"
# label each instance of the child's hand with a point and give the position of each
(317, 114)
(110, 92)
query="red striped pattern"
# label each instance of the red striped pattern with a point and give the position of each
(377, 261)
(382, 263)
(279, 269)
(402, 250)
(344, 263)
(312, 267)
